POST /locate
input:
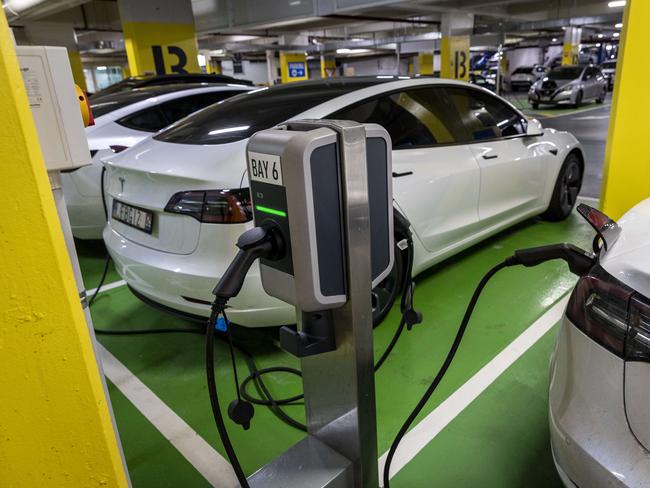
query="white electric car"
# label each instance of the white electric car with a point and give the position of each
(121, 120)
(599, 412)
(466, 164)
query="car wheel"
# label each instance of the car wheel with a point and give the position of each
(384, 294)
(566, 190)
(578, 101)
(601, 98)
(535, 105)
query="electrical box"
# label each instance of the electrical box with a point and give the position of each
(295, 182)
(53, 100)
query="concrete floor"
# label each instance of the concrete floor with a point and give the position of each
(499, 440)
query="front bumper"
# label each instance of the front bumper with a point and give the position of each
(552, 99)
(590, 438)
(184, 282)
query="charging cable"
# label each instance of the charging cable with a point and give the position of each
(579, 262)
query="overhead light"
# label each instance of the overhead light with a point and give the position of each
(554, 39)
(101, 68)
(616, 34)
(600, 36)
(617, 3)
(619, 25)
(345, 50)
(598, 44)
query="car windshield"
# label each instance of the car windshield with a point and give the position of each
(108, 103)
(523, 71)
(241, 116)
(565, 73)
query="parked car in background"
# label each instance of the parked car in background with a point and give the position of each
(608, 69)
(525, 76)
(121, 120)
(171, 79)
(599, 413)
(466, 164)
(482, 81)
(572, 85)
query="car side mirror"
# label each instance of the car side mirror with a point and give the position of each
(534, 128)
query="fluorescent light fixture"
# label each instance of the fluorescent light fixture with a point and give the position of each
(616, 34)
(101, 68)
(617, 3)
(554, 39)
(619, 25)
(598, 44)
(385, 77)
(345, 50)
(600, 36)
(228, 129)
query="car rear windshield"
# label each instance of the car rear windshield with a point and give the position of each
(108, 103)
(240, 117)
(523, 71)
(565, 73)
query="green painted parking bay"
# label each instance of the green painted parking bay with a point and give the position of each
(500, 439)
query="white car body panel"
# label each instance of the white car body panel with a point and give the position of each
(81, 188)
(599, 412)
(440, 200)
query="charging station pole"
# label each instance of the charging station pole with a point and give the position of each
(310, 181)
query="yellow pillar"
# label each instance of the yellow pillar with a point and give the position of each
(327, 67)
(55, 426)
(425, 61)
(159, 37)
(626, 176)
(571, 46)
(454, 57)
(293, 67)
(77, 69)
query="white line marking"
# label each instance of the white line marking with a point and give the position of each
(577, 112)
(110, 286)
(591, 117)
(212, 466)
(425, 431)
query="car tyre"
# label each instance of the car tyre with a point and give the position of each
(535, 105)
(578, 101)
(384, 294)
(565, 192)
(601, 98)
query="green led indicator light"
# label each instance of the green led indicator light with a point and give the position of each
(271, 211)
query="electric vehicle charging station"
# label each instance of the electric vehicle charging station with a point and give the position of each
(323, 190)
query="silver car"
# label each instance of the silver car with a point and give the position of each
(525, 76)
(599, 408)
(572, 85)
(609, 72)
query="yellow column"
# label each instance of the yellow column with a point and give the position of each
(327, 67)
(77, 69)
(159, 37)
(55, 427)
(454, 57)
(293, 67)
(571, 46)
(626, 176)
(425, 61)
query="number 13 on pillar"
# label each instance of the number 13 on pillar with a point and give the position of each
(454, 57)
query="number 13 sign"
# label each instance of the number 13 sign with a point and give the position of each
(454, 58)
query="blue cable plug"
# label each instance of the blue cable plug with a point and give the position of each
(221, 325)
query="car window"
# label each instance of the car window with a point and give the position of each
(523, 71)
(181, 107)
(485, 116)
(413, 118)
(149, 120)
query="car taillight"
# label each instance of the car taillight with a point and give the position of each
(637, 347)
(213, 206)
(599, 307)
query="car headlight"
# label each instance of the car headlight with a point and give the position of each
(566, 92)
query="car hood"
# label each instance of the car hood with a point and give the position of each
(628, 259)
(191, 164)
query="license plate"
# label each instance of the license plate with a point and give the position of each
(133, 216)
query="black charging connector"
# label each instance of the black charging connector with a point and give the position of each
(579, 260)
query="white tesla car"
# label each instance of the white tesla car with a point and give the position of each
(466, 164)
(121, 120)
(600, 372)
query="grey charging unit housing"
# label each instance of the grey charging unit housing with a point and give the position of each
(295, 182)
(326, 187)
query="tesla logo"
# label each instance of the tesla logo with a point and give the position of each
(122, 180)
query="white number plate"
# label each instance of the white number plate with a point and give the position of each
(133, 216)
(266, 168)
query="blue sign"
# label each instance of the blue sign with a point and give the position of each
(297, 69)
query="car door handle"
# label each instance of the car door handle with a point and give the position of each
(405, 173)
(490, 156)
